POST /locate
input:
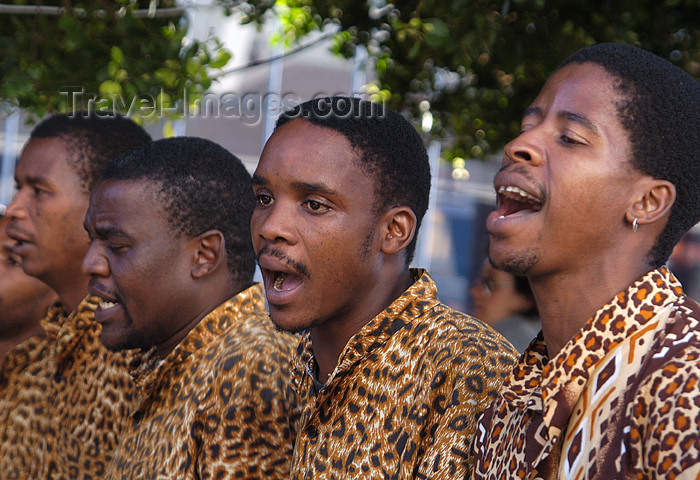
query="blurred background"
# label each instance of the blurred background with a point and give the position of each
(462, 71)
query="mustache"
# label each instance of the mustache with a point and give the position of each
(15, 230)
(98, 290)
(524, 172)
(298, 267)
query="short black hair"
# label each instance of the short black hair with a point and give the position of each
(203, 187)
(390, 150)
(660, 109)
(93, 140)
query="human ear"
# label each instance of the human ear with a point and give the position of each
(654, 202)
(398, 228)
(208, 253)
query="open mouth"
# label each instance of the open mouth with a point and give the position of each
(283, 281)
(20, 247)
(105, 305)
(512, 199)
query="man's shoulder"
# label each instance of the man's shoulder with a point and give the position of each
(255, 335)
(445, 325)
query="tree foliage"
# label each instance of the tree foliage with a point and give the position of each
(481, 62)
(476, 63)
(101, 52)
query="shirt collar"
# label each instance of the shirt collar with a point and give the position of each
(537, 380)
(66, 329)
(419, 298)
(149, 372)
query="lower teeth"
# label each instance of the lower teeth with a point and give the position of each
(279, 281)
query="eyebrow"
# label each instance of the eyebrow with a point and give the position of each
(565, 115)
(257, 180)
(313, 187)
(104, 232)
(304, 186)
(34, 180)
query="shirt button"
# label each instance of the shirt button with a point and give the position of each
(554, 440)
(312, 431)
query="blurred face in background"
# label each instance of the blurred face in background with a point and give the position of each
(46, 215)
(494, 296)
(23, 299)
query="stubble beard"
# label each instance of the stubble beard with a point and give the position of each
(519, 264)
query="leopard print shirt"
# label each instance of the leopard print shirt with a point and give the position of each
(405, 396)
(220, 405)
(64, 399)
(619, 401)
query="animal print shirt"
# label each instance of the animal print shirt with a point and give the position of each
(220, 404)
(405, 396)
(64, 399)
(620, 400)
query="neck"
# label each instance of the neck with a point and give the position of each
(203, 302)
(9, 342)
(71, 290)
(330, 338)
(567, 300)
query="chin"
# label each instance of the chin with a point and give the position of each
(116, 343)
(290, 324)
(515, 263)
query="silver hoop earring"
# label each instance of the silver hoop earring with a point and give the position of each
(634, 225)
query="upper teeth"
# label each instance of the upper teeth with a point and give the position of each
(519, 191)
(279, 281)
(104, 304)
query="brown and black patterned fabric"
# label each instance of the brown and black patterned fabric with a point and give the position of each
(219, 406)
(619, 401)
(405, 396)
(64, 400)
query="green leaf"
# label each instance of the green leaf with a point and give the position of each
(168, 129)
(117, 55)
(110, 87)
(220, 59)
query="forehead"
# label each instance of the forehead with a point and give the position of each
(130, 204)
(300, 151)
(585, 88)
(46, 158)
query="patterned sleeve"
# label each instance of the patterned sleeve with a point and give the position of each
(665, 432)
(247, 431)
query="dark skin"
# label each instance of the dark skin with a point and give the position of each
(23, 299)
(315, 222)
(575, 239)
(156, 284)
(46, 219)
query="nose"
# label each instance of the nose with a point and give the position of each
(16, 207)
(95, 264)
(524, 149)
(274, 223)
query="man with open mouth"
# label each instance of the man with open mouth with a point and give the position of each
(171, 259)
(391, 380)
(601, 183)
(62, 394)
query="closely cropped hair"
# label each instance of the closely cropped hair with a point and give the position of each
(660, 110)
(390, 150)
(203, 187)
(93, 140)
